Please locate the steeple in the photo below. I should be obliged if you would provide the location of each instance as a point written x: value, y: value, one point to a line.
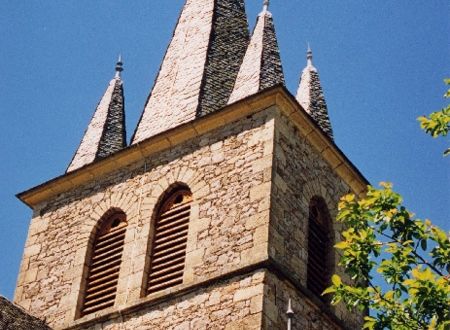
x: 261, y: 67
x: 200, y: 66
x: 310, y: 95
x: 105, y: 134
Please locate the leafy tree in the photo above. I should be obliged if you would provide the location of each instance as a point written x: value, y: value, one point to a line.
x: 438, y: 123
x: 412, y: 257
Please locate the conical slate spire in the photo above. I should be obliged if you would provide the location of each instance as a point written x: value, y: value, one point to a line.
x: 311, y: 98
x: 261, y: 67
x: 199, y: 67
x: 105, y: 134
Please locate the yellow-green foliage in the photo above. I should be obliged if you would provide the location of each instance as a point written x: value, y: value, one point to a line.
x: 438, y: 123
x: 411, y: 256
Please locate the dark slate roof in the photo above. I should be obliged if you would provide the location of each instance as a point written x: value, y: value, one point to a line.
x: 200, y: 66
x: 311, y: 97
x: 13, y: 317
x: 105, y: 134
x: 114, y: 134
x: 261, y: 68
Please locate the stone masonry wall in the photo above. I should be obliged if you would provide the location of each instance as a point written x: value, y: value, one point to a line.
x: 229, y: 173
x: 228, y: 305
x: 299, y: 174
x: 307, y: 315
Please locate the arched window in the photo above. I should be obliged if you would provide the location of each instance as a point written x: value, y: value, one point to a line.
x: 319, y: 247
x: 168, y: 246
x: 105, y: 258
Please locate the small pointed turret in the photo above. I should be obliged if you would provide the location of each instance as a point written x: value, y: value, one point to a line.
x: 310, y: 95
x: 261, y: 67
x: 200, y: 65
x: 105, y: 134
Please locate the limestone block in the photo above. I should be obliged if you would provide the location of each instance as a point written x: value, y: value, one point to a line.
x: 256, y: 304
x: 260, y: 191
x: 32, y: 250
x: 261, y: 235
x: 247, y: 293
x: 256, y: 220
x: 263, y: 163
x: 30, y: 275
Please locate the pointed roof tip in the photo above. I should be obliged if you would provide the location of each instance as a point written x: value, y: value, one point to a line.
x: 106, y: 132
x: 265, y: 10
x: 261, y: 67
x: 310, y: 95
x: 119, y: 66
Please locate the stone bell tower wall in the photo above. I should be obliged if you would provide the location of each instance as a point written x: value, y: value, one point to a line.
x: 252, y: 169
x: 229, y: 173
x: 300, y: 172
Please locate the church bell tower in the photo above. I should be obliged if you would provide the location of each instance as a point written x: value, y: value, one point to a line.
x: 220, y: 212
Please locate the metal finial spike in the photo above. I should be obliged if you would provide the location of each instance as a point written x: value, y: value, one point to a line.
x: 119, y: 66
x: 265, y: 11
x: 290, y: 314
x: 309, y: 56
x: 289, y: 311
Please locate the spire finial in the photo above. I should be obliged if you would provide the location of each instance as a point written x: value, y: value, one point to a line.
x: 265, y: 10
x: 309, y: 56
x: 290, y: 314
x: 119, y: 66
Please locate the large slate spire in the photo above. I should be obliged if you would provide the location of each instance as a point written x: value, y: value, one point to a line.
x: 261, y: 67
x: 199, y: 67
x: 310, y: 96
x: 106, y: 132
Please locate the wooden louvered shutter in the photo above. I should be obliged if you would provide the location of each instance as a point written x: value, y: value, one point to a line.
x: 318, y: 250
x: 168, y: 251
x: 104, y: 266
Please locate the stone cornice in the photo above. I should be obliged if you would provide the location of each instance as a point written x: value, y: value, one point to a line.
x: 277, y: 96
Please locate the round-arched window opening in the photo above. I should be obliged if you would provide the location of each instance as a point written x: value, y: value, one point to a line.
x: 104, y: 261
x: 319, y: 247
x: 177, y: 198
x: 169, y: 241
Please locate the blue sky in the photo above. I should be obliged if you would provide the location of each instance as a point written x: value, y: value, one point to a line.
x: 381, y: 63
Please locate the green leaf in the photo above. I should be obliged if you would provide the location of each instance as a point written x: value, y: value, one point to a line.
x: 341, y: 245
x: 369, y: 323
x: 336, y: 280
x: 329, y: 290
